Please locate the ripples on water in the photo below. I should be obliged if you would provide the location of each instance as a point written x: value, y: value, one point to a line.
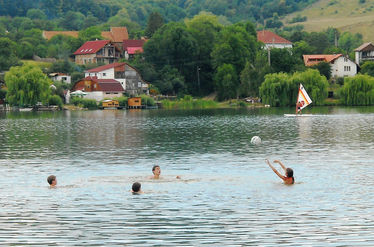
x: 227, y: 195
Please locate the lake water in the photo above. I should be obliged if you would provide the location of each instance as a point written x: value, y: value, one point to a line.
x: 227, y: 196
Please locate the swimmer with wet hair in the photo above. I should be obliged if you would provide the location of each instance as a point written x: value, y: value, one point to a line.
x: 52, y: 180
x: 288, y: 179
x: 136, y: 188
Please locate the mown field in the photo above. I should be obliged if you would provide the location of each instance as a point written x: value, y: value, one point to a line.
x: 356, y: 16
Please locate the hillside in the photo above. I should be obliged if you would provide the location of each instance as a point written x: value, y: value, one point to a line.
x: 347, y: 15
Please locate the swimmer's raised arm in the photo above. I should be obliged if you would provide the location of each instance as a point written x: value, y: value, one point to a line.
x: 281, y: 164
x: 275, y: 170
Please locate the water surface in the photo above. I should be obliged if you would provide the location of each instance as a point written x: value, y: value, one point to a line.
x: 227, y: 195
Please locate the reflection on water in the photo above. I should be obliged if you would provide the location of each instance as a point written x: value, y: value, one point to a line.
x: 227, y: 195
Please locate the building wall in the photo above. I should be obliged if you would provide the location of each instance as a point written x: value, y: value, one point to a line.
x: 85, y: 59
x: 61, y: 78
x: 343, y: 67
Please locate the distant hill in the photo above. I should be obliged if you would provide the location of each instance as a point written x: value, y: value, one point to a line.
x: 356, y: 16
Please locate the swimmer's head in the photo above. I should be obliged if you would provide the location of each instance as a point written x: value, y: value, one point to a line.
x: 289, y: 172
x: 136, y: 187
x: 156, y: 170
x: 52, y: 180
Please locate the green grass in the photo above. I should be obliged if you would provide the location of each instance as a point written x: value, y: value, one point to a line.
x: 189, y: 104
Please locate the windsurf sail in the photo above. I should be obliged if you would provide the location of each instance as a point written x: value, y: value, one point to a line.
x: 303, y: 99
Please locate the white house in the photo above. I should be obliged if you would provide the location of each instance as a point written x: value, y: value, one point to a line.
x: 271, y: 40
x: 364, y: 53
x: 60, y: 77
x: 124, y: 73
x: 341, y: 66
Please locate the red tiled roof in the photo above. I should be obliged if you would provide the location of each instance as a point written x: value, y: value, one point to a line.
x: 310, y: 60
x: 91, y: 47
x: 365, y: 47
x: 111, y: 86
x: 105, y: 67
x: 133, y: 50
x: 269, y: 37
x: 133, y: 43
x: 116, y: 34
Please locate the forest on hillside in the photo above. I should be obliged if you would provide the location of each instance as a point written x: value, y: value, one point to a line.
x: 137, y: 11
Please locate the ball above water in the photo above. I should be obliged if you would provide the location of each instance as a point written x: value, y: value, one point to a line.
x: 256, y: 140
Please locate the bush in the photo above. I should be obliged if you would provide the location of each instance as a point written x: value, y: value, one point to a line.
x: 86, y: 103
x: 123, y: 100
x: 55, y: 100
x: 147, y: 100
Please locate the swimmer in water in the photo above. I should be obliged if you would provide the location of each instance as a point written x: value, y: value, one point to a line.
x: 288, y: 179
x: 156, y: 170
x: 136, y: 188
x: 52, y: 180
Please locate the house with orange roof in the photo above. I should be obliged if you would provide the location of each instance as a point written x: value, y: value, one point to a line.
x: 364, y: 52
x: 117, y: 35
x: 128, y: 76
x: 272, y: 40
x: 341, y: 66
x: 98, y: 51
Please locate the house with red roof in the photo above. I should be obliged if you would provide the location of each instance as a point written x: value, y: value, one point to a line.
x: 128, y: 76
x: 98, y: 51
x: 132, y: 46
x: 341, y: 66
x: 272, y: 40
x: 99, y: 89
x: 364, y: 52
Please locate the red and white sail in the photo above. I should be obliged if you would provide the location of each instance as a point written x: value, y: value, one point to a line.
x: 303, y: 99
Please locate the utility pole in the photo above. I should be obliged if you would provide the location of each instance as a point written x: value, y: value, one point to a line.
x: 198, y: 78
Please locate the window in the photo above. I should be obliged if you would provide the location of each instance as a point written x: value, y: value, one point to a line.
x: 104, y: 74
x: 347, y: 68
x: 64, y: 78
x: 345, y: 59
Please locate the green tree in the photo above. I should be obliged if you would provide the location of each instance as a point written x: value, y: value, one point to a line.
x: 314, y: 83
x: 36, y: 14
x: 235, y: 45
x: 155, y: 21
x: 323, y: 68
x: 91, y: 33
x: 367, y: 68
x: 226, y: 81
x: 281, y: 60
x: 253, y: 75
x: 8, y: 56
x: 318, y: 40
x: 27, y: 85
x: 358, y: 90
x: 72, y: 20
x: 282, y: 90
x: 349, y: 41
x: 173, y: 45
x: 204, y: 28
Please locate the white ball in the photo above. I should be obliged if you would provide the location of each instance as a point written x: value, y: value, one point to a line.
x: 256, y: 140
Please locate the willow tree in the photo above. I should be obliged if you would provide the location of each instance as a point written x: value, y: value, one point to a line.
x: 27, y: 85
x: 281, y: 89
x: 358, y: 90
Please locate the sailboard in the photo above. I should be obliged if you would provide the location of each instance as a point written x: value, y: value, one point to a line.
x: 303, y: 100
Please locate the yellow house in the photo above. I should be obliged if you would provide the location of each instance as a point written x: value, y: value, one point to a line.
x: 135, y: 102
x: 109, y: 103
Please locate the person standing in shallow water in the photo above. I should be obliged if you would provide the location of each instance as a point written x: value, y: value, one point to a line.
x: 52, y: 180
x: 288, y: 179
